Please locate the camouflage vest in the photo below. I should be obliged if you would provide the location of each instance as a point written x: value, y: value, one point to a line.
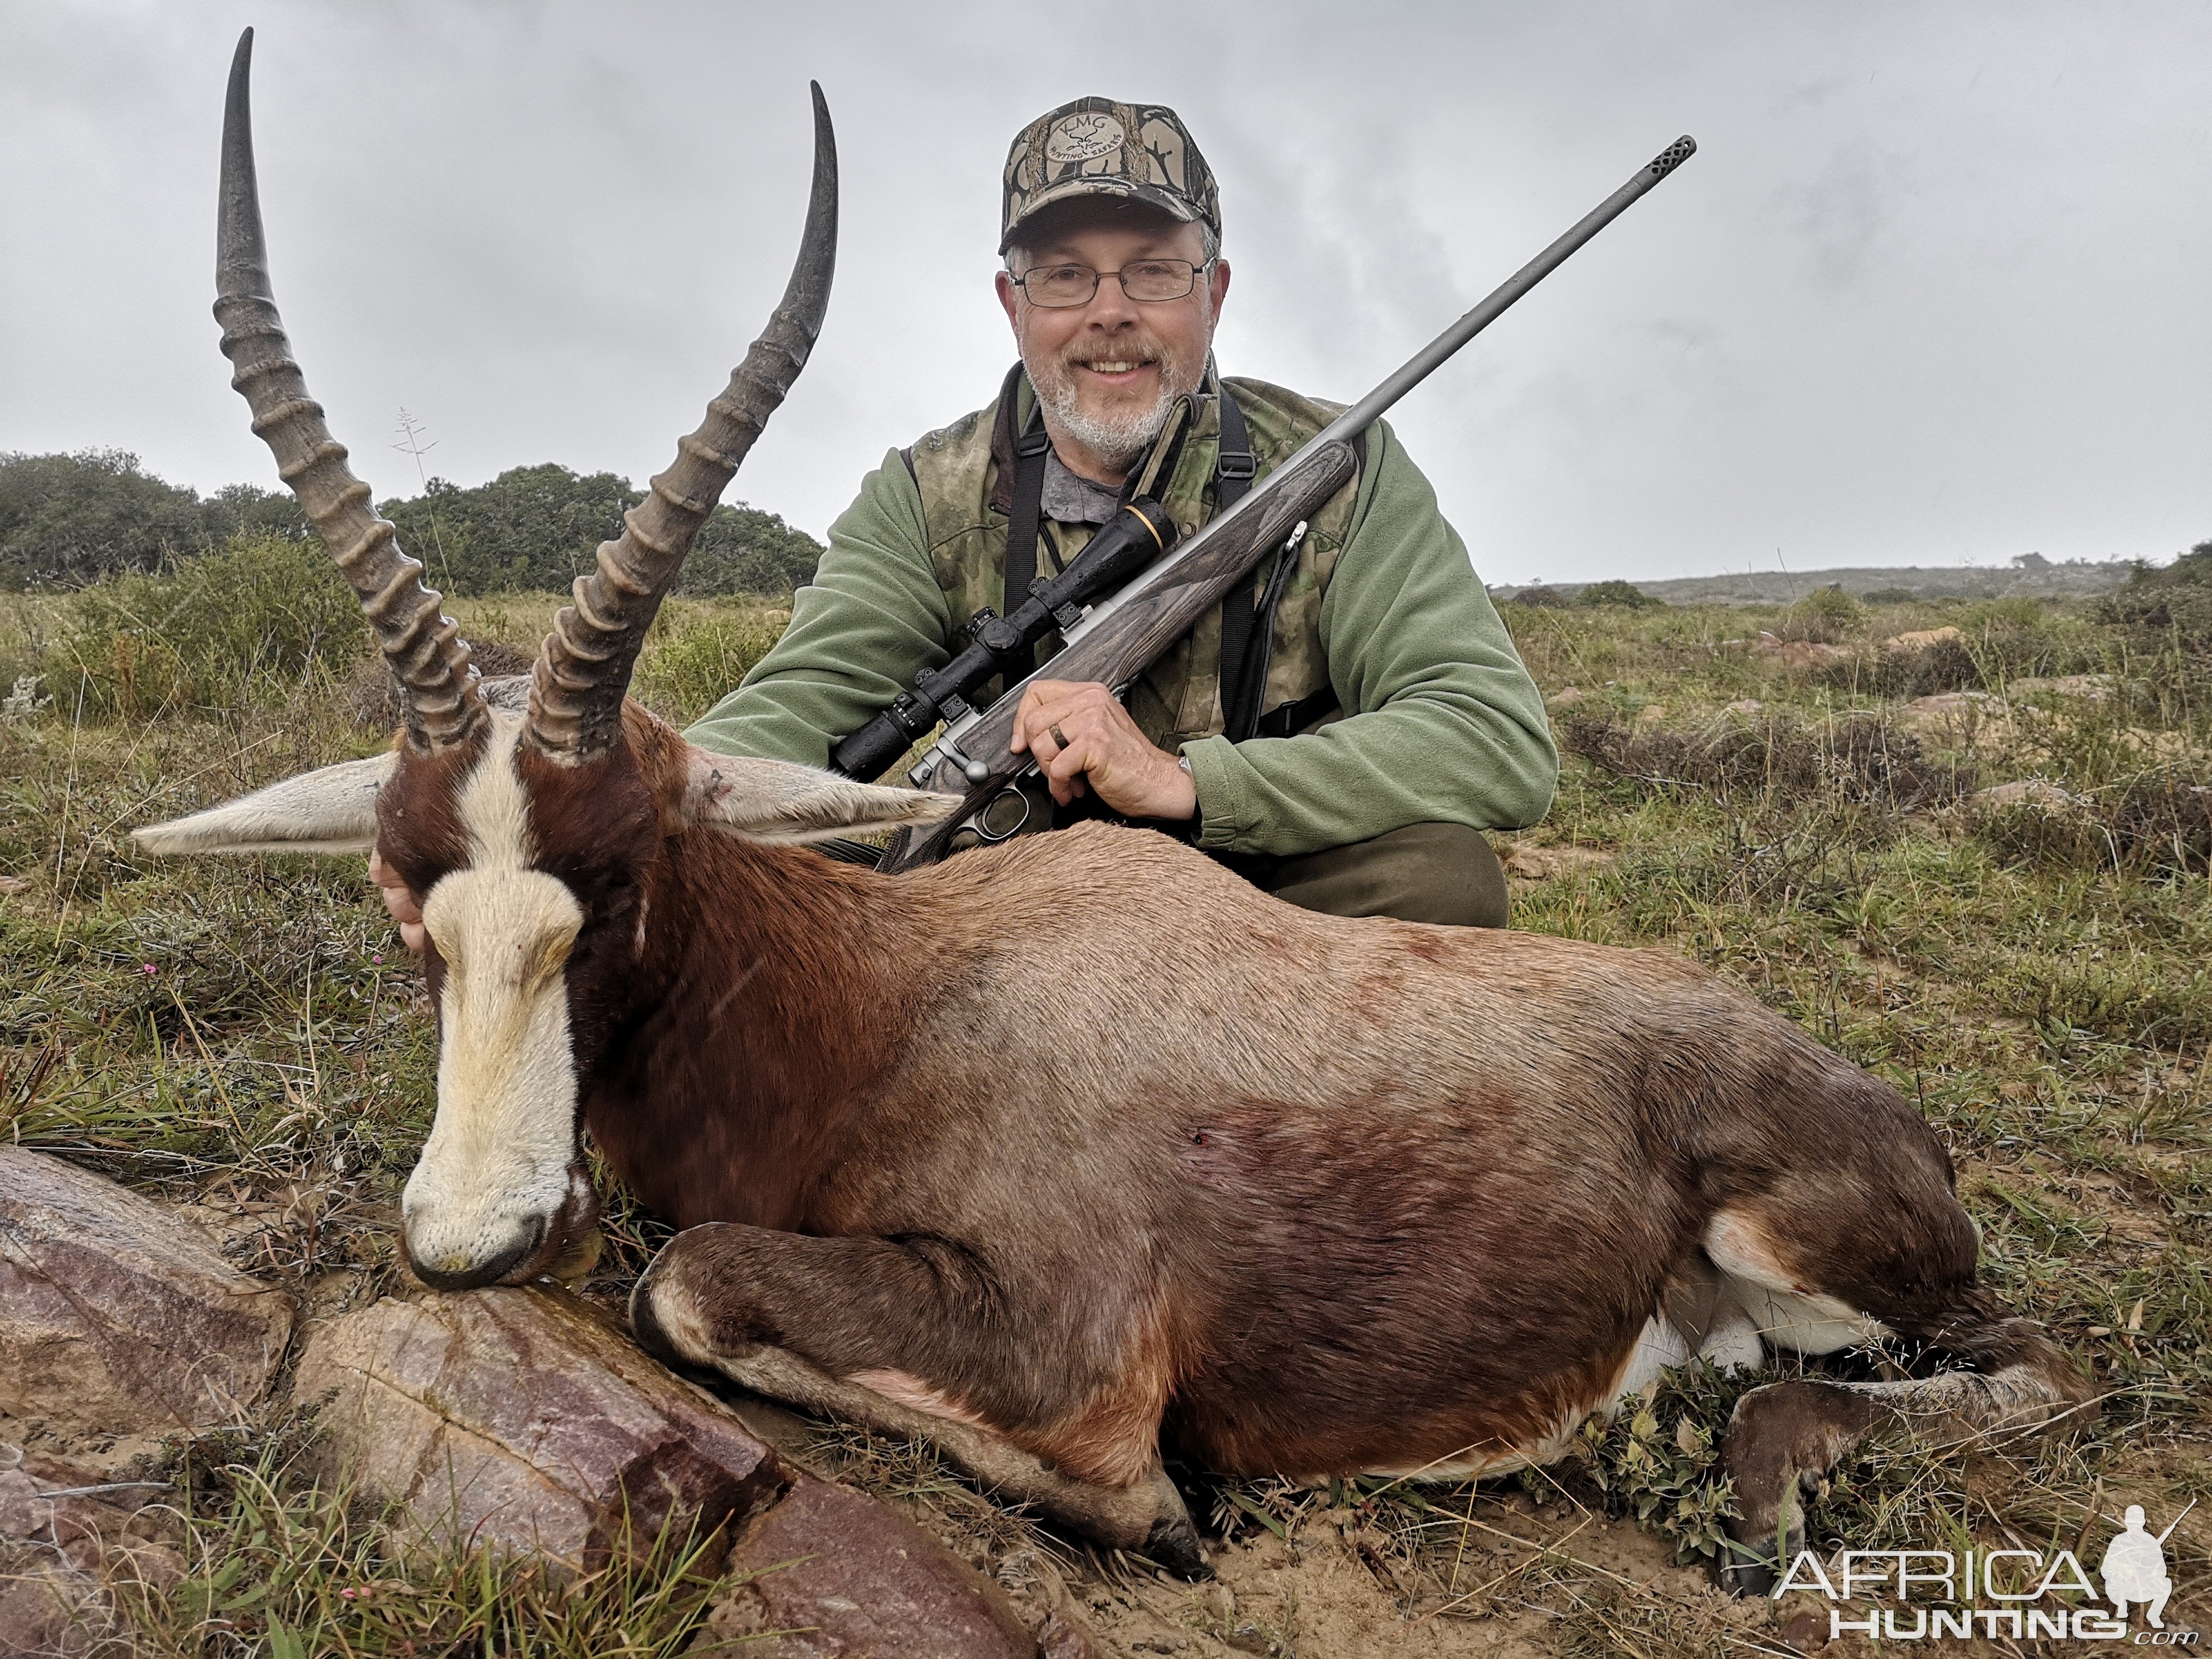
x: 966, y: 472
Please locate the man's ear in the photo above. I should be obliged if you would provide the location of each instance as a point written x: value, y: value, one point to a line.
x: 776, y: 801
x: 332, y: 809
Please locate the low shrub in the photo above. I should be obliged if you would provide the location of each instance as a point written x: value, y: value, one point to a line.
x: 1945, y: 666
x: 2156, y: 823
x: 1617, y: 592
x: 1824, y: 617
x: 1540, y: 598
x: 261, y: 613
x: 1776, y: 762
x: 2018, y: 639
x: 2169, y: 605
x: 372, y: 691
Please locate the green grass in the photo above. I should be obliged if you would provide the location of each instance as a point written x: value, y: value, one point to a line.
x: 277, y: 1563
x: 2037, y: 979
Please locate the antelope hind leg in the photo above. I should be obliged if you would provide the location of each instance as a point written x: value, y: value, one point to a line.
x: 1818, y: 1276
x: 1786, y: 1435
x: 681, y: 1313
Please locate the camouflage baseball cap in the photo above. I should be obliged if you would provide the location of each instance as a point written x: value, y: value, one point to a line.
x: 1097, y: 147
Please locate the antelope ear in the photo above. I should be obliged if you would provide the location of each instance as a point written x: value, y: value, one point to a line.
x: 332, y: 809
x: 776, y: 801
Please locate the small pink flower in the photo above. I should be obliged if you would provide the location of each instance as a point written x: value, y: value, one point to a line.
x: 348, y: 1593
x: 378, y: 957
x: 147, y: 966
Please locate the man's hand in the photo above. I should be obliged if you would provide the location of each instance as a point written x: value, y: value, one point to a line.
x: 401, y: 903
x: 1079, y: 733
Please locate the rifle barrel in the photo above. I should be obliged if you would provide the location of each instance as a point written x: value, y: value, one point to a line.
x: 1424, y: 362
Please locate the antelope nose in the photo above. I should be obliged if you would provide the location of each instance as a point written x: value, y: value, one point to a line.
x: 449, y: 1267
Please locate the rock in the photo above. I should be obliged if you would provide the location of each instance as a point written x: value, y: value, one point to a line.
x: 1804, y: 656
x: 1745, y: 707
x: 523, y: 1419
x: 837, y: 1574
x: 1541, y: 863
x: 2021, y: 792
x: 1042, y: 1600
x: 1651, y: 713
x: 2093, y: 688
x: 1921, y: 639
x: 1566, y: 698
x: 47, y: 1609
x: 1065, y: 1637
x: 66, y: 1537
x: 526, y: 1420
x: 1801, y: 655
x: 1953, y: 713
x: 116, y: 1316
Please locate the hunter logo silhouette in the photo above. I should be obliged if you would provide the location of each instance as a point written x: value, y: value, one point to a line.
x: 2134, y: 1567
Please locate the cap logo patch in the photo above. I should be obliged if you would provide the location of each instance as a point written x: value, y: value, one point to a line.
x: 1082, y: 137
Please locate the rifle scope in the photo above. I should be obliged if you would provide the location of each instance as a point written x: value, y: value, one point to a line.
x: 1126, y: 544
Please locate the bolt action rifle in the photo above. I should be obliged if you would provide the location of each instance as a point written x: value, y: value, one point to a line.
x: 1133, y: 592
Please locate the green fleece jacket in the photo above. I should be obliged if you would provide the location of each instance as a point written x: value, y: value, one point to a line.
x: 1442, y: 723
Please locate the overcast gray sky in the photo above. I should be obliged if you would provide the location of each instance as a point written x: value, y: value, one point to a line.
x: 1934, y: 289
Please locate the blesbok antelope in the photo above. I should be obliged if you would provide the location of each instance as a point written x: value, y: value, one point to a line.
x: 1058, y: 1145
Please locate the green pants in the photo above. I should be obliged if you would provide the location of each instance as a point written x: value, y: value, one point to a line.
x: 1442, y: 873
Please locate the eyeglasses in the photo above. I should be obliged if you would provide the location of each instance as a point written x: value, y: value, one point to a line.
x: 1151, y: 281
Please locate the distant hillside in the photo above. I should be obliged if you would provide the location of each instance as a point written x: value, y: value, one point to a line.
x: 2030, y: 575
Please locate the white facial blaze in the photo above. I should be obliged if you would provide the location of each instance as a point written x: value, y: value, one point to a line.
x: 496, y: 1167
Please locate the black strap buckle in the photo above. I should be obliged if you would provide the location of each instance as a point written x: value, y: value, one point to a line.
x: 1237, y: 464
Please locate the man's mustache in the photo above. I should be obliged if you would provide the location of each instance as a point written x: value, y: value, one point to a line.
x: 1088, y: 356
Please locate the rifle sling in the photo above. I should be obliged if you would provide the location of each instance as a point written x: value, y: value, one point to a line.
x: 1030, y: 451
x: 1234, y: 470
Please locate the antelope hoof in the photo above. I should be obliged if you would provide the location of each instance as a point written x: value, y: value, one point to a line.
x: 1173, y: 1544
x: 664, y: 1321
x: 1746, y: 1576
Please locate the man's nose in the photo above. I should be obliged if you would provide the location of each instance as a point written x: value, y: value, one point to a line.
x: 1109, y: 307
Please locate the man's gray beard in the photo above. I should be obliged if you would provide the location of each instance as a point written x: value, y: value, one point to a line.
x: 1120, y: 440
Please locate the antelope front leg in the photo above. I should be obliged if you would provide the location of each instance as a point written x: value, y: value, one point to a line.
x: 915, y: 1339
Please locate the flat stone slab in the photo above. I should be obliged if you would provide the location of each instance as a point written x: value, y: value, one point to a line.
x: 117, y: 1315
x: 839, y: 1575
x: 66, y: 1535
x: 523, y: 1419
x: 526, y: 1419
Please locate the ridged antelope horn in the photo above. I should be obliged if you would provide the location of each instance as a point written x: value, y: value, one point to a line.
x: 423, y: 646
x: 584, y: 668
